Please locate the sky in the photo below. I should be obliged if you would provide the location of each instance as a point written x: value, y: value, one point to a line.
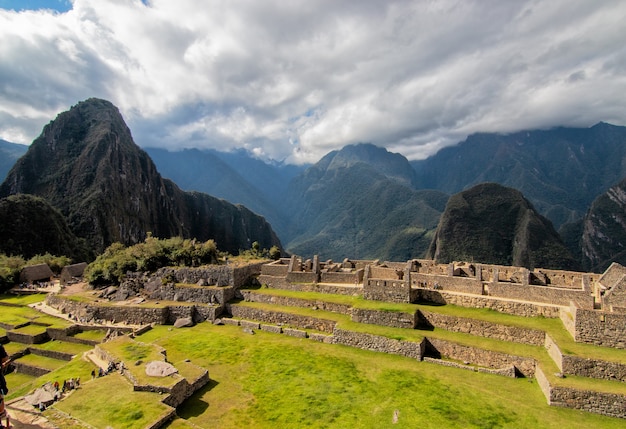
x: 291, y: 80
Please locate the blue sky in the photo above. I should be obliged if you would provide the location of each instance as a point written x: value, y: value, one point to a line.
x: 58, y: 5
x: 293, y: 80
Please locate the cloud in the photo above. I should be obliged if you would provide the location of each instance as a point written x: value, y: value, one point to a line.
x: 294, y: 80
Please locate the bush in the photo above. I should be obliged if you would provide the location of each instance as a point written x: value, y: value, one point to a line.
x: 150, y: 255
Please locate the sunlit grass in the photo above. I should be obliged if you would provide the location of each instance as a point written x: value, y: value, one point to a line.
x: 270, y: 381
x: 110, y: 401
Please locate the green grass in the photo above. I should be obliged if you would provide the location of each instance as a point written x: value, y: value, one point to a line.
x: 92, y: 335
x: 112, y: 402
x: 270, y: 381
x: 42, y: 361
x: 31, y: 330
x: 132, y: 351
x: 63, y: 346
x: 76, y: 368
x: 23, y: 299
x: 553, y: 326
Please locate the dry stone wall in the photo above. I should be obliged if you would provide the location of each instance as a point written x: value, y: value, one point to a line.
x: 585, y: 367
x: 608, y: 404
x: 277, y: 317
x: 252, y: 296
x: 394, y: 319
x: 487, y: 358
x: 600, y: 328
x: 378, y: 343
x: 526, y: 309
x: 283, y: 283
x: 481, y: 328
x: 545, y: 294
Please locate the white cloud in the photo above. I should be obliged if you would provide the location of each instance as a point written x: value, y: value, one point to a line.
x: 300, y: 78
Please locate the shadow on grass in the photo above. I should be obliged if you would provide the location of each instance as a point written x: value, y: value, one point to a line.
x: 195, y: 405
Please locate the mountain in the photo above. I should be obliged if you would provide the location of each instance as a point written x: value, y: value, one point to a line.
x: 561, y: 171
x: 30, y: 226
x: 9, y: 153
x: 86, y: 164
x: 493, y: 224
x: 604, y: 230
x: 358, y: 203
x: 236, y: 177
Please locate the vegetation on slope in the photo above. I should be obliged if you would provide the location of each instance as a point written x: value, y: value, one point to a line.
x: 492, y: 224
x: 30, y: 226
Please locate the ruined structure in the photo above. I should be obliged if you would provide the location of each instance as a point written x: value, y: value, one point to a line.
x: 591, y: 306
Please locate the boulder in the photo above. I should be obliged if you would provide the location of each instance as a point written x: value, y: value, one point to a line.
x: 183, y: 322
x: 160, y: 369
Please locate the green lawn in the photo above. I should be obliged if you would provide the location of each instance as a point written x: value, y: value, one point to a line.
x: 110, y: 402
x: 274, y: 381
x: 63, y: 346
x: 22, y: 299
x: 92, y: 335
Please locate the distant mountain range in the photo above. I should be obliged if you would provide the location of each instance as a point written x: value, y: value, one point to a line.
x: 86, y: 165
x: 360, y: 202
x: 561, y: 171
x: 9, y: 154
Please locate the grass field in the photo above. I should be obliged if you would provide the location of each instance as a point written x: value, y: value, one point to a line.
x: 275, y: 381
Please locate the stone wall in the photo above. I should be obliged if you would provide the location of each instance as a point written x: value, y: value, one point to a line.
x: 134, y: 315
x: 252, y: 296
x: 395, y: 319
x: 526, y: 309
x: 541, y: 294
x: 51, y: 354
x: 351, y: 278
x: 585, y: 367
x: 29, y: 369
x: 277, y: 317
x: 481, y: 328
x: 600, y: 327
x: 199, y: 294
x: 486, y: 358
x: 302, y: 277
x: 505, y: 372
x: 282, y: 283
x: 447, y: 283
x: 275, y: 269
x: 19, y: 337
x: 608, y: 404
x: 387, y: 290
x: 378, y: 343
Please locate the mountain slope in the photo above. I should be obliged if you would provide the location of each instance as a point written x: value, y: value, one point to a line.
x: 561, y: 171
x: 86, y: 164
x: 492, y: 224
x: 205, y: 171
x: 604, y: 230
x: 30, y: 226
x: 343, y: 207
x: 9, y: 153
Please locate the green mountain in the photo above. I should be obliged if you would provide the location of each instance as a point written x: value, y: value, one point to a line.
x: 9, y: 153
x: 561, y: 171
x: 30, y: 226
x: 493, y: 224
x: 358, y: 203
x: 86, y: 164
x: 604, y: 230
x: 235, y: 177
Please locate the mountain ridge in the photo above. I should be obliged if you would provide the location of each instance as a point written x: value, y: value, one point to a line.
x: 86, y: 164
